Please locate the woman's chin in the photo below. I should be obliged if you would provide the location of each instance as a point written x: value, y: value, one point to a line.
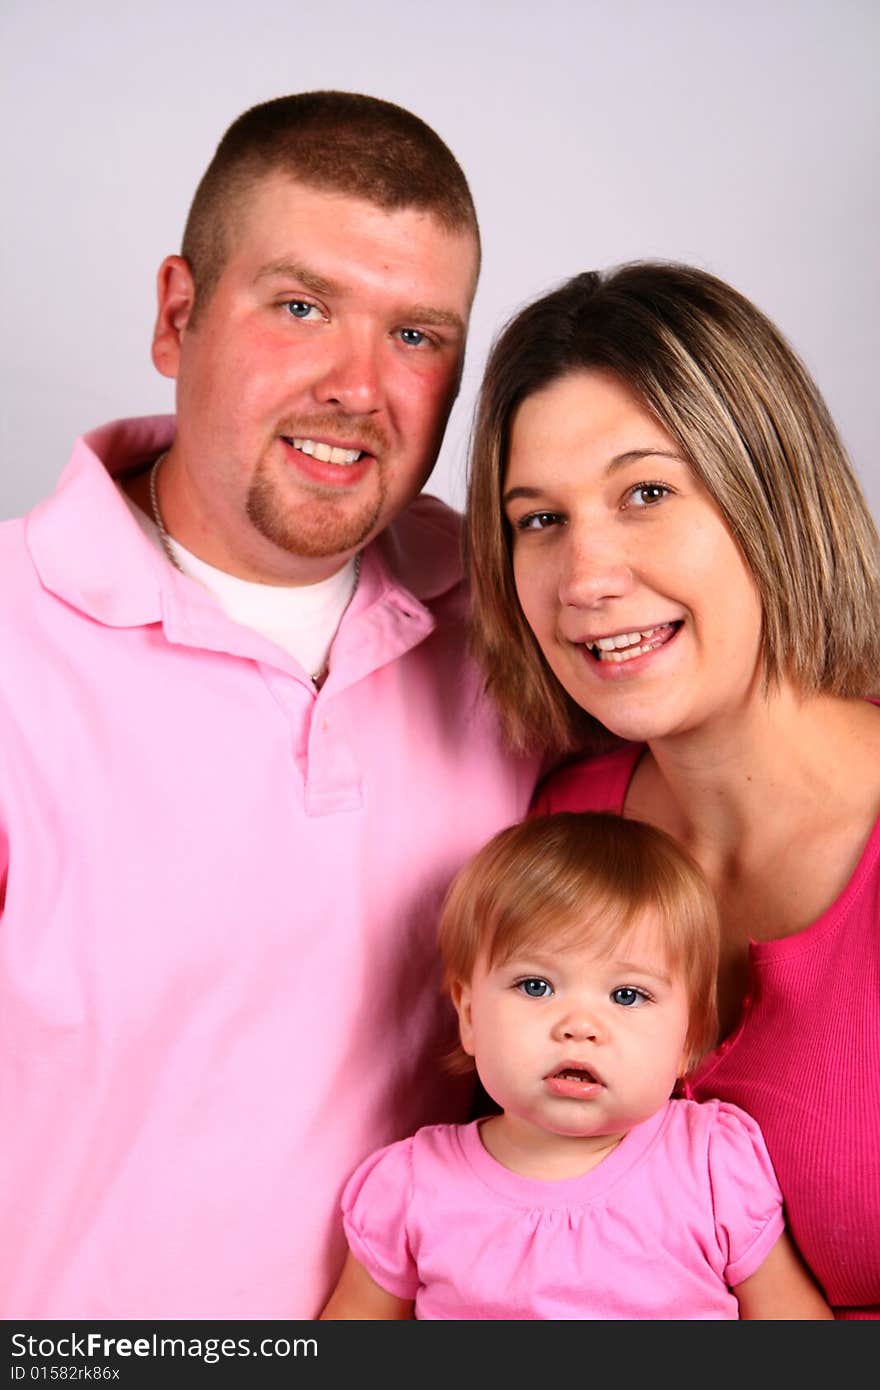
x: 634, y: 721
x: 637, y: 730
x: 639, y: 700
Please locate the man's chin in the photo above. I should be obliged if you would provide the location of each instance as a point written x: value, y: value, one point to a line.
x: 314, y: 531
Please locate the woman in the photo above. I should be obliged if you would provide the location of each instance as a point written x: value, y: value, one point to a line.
x: 668, y: 546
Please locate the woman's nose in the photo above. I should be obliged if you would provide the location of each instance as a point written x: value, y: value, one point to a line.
x: 595, y: 569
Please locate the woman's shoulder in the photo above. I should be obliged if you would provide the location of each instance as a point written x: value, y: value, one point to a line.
x: 589, y: 784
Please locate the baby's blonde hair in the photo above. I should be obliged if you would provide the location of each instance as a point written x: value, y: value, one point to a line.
x: 575, y: 877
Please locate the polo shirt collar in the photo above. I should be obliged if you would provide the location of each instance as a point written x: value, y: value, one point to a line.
x: 89, y: 550
x: 85, y: 545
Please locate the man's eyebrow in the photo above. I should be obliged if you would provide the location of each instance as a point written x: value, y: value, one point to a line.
x: 619, y: 461
x: 294, y: 270
x: 434, y: 318
x: 319, y: 284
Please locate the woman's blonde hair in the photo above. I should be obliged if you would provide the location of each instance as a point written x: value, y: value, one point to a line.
x: 751, y: 424
x: 573, y: 878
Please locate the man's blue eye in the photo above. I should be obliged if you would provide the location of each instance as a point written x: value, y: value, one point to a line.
x: 298, y: 308
x: 413, y: 337
x: 534, y: 987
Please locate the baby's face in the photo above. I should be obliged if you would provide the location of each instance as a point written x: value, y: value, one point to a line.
x: 575, y: 1042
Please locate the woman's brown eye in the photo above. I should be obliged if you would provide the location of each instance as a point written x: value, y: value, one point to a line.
x: 646, y: 494
x: 537, y: 521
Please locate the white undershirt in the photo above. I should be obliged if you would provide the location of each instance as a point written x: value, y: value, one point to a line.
x: 302, y: 619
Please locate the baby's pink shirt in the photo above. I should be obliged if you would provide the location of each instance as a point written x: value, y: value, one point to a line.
x: 686, y: 1205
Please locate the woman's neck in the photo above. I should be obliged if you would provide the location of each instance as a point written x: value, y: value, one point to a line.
x: 776, y: 807
x: 786, y: 760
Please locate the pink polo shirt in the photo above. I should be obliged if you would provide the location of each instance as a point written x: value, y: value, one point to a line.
x: 219, y: 891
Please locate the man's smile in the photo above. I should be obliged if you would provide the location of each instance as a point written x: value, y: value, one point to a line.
x: 327, y: 453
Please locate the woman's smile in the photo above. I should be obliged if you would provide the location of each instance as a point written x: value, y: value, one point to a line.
x: 625, y: 569
x: 624, y: 649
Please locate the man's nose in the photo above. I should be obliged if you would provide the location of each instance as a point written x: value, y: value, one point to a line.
x: 596, y: 567
x: 352, y: 377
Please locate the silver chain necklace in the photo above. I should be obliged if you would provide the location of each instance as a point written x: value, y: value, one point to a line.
x: 317, y: 677
x: 157, y: 515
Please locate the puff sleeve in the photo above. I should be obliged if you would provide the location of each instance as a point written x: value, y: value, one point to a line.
x: 746, y: 1196
x: 375, y: 1206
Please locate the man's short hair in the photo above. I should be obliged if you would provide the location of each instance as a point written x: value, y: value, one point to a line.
x: 341, y: 142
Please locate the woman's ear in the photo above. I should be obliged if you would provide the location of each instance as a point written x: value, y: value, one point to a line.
x: 461, y: 998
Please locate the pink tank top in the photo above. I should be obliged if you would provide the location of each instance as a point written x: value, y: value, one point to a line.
x: 804, y: 1060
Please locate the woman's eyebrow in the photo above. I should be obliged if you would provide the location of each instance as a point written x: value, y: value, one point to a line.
x: 619, y: 461
x: 633, y: 456
x: 515, y: 492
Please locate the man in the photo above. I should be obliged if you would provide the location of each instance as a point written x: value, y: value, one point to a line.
x: 241, y: 749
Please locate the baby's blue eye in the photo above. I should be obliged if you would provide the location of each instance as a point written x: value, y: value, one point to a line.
x: 627, y: 996
x: 534, y: 987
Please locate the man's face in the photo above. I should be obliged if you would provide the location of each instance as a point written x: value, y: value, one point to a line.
x: 315, y: 384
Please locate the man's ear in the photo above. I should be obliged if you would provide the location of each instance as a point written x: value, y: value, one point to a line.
x: 175, y: 292
x: 461, y: 998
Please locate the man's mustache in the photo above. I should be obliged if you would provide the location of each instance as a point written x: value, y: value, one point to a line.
x: 349, y: 429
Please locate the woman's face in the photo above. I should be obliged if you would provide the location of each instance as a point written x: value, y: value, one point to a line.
x: 627, y: 575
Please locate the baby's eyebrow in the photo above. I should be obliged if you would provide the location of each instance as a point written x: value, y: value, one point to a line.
x: 631, y: 967
x: 538, y: 964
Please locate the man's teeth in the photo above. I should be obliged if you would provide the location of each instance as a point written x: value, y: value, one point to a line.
x: 626, y: 645
x: 327, y: 453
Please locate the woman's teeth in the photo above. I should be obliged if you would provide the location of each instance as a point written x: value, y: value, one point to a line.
x: 327, y: 453
x: 627, y: 645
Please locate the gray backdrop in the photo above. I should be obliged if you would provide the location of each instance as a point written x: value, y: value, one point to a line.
x: 742, y: 137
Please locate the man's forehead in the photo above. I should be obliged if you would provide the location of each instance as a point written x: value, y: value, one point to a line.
x: 301, y: 203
